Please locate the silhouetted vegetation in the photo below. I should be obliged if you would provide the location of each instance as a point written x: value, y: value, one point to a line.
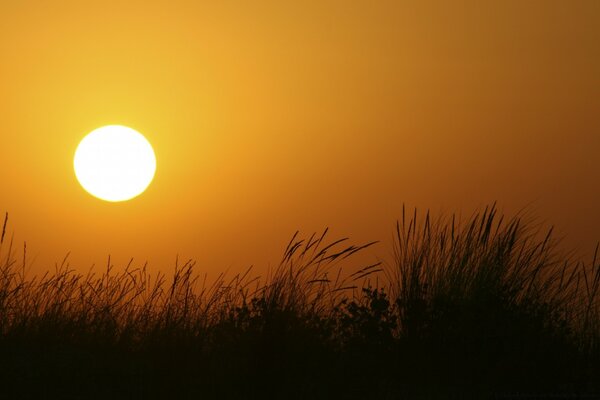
x: 486, y: 307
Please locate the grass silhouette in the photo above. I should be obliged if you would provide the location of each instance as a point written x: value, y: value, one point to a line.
x: 488, y: 307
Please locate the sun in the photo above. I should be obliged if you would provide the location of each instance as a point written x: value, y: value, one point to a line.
x: 114, y: 163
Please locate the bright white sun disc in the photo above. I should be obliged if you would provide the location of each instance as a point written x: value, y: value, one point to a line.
x: 114, y: 163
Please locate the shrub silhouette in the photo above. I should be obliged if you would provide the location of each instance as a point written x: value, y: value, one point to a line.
x: 368, y: 321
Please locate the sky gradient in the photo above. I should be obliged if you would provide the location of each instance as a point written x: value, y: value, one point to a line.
x: 268, y: 117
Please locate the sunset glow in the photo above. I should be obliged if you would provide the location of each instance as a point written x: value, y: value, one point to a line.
x: 281, y: 116
x: 299, y: 199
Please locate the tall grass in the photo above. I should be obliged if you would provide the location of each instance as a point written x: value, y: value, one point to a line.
x: 490, y: 258
x: 493, y: 301
x: 130, y: 303
x: 489, y: 305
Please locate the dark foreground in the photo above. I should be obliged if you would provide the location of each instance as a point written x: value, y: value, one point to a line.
x: 483, y: 309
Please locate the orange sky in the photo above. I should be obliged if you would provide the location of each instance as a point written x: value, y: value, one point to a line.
x: 272, y: 116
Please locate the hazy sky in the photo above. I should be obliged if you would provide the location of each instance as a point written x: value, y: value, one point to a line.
x: 272, y: 116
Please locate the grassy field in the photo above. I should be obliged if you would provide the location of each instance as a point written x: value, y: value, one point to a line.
x: 484, y: 308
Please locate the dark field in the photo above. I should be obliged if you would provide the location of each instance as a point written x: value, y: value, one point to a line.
x: 484, y: 308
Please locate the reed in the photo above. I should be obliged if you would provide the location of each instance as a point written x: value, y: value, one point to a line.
x: 487, y: 305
